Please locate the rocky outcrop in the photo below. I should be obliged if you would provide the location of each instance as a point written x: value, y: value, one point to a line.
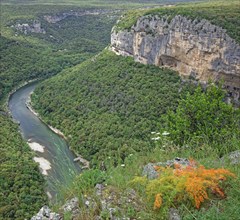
x: 72, y: 206
x: 106, y: 203
x: 174, y: 214
x: 150, y: 172
x: 191, y: 47
x: 26, y: 28
x: 61, y: 16
x: 46, y: 214
x: 86, y: 163
x: 232, y: 157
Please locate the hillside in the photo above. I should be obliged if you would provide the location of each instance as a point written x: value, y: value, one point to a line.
x: 181, y: 38
x: 22, y: 186
x: 113, y: 106
x: 121, y: 115
x: 27, y: 54
x: 33, y: 47
x: 113, y: 101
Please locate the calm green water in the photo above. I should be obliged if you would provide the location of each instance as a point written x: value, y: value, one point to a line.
x: 56, y: 151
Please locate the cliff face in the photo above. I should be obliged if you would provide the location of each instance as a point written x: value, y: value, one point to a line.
x: 193, y: 48
x: 26, y: 28
x: 61, y: 16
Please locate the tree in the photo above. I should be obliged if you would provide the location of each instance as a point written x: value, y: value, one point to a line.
x: 203, y: 116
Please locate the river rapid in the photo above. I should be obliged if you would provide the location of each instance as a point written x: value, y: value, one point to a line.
x: 51, y: 151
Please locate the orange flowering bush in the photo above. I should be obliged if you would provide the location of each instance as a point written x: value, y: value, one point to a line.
x: 158, y: 201
x: 183, y: 183
x: 199, y: 180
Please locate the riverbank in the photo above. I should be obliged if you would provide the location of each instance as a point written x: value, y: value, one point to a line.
x: 7, y: 98
x: 79, y: 158
x: 55, y: 130
x: 51, y: 152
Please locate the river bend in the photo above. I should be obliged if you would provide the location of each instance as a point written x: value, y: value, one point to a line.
x: 51, y: 151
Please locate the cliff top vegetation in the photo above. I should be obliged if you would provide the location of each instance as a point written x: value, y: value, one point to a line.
x: 109, y: 3
x: 225, y: 14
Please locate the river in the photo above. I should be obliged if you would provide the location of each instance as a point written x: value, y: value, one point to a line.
x: 51, y: 151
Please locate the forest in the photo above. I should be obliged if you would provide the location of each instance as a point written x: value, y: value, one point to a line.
x: 22, y: 185
x: 29, y: 57
x: 36, y: 56
x: 114, y: 104
x: 115, y: 111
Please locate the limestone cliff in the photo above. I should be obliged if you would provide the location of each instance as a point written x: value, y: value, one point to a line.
x: 191, y: 47
x: 26, y: 28
x: 63, y: 15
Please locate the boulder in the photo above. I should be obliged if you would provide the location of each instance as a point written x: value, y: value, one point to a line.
x: 151, y: 173
x: 46, y: 214
x: 233, y: 157
x: 173, y: 214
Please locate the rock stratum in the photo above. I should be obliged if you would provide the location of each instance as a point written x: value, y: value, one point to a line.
x: 193, y: 48
x: 61, y: 16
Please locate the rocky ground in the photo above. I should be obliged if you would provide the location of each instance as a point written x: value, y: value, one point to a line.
x: 109, y: 203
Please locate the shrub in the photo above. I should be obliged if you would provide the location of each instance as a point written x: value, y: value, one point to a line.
x: 88, y: 179
x: 193, y: 183
x: 203, y: 116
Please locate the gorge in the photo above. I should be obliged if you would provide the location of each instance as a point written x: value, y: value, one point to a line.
x: 194, y: 48
x: 129, y: 108
x: 55, y: 160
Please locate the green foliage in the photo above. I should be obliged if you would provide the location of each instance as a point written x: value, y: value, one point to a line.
x: 21, y: 184
x: 88, y: 179
x: 114, y: 104
x: 65, y: 44
x: 118, y: 178
x: 84, y: 183
x: 178, y: 185
x: 172, y: 188
x: 27, y: 57
x: 102, y: 3
x: 74, y: 34
x: 204, y: 116
x: 22, y: 62
x: 109, y: 106
x: 225, y: 14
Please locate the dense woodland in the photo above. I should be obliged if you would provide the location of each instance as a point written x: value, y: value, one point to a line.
x: 108, y: 106
x: 113, y: 106
x: 29, y: 57
x: 21, y: 184
x: 66, y: 43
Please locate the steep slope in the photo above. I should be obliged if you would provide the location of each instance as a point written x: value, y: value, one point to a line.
x: 28, y: 54
x: 31, y: 48
x: 110, y: 104
x: 21, y: 184
x: 111, y: 109
x: 180, y: 38
x: 111, y: 99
